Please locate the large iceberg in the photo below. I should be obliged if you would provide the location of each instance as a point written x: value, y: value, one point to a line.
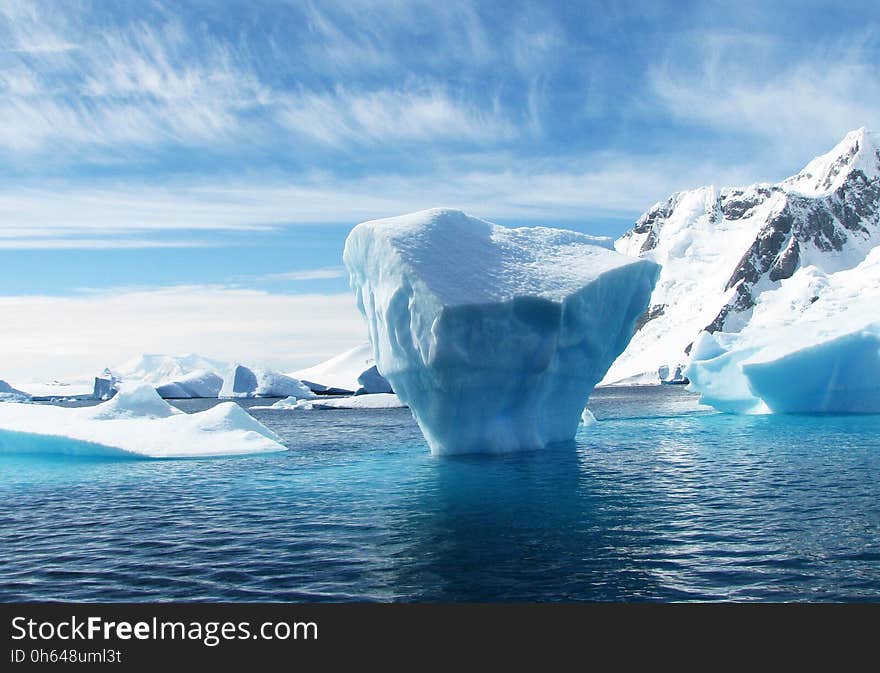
x: 136, y: 422
x: 494, y: 337
x: 243, y: 381
x: 353, y: 371
x: 824, y: 358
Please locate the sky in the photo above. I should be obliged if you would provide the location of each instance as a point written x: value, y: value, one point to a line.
x: 181, y: 176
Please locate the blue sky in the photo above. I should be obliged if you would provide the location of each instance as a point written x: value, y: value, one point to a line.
x: 185, y: 152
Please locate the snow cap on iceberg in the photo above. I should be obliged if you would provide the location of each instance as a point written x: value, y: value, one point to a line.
x: 493, y: 336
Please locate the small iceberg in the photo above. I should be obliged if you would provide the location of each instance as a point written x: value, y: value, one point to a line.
x: 245, y: 382
x: 137, y: 422
x: 371, y: 401
x: 10, y: 394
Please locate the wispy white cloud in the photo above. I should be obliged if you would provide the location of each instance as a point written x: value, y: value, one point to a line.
x: 73, y: 336
x: 739, y: 84
x: 138, y: 85
x: 601, y: 184
x: 115, y: 243
x: 368, y: 118
x: 323, y: 273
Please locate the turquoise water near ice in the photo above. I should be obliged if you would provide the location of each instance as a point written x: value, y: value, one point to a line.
x: 660, y: 500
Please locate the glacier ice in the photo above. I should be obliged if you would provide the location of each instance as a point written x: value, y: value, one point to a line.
x: 494, y: 337
x: 106, y: 385
x: 371, y: 382
x: 790, y: 359
x: 243, y: 381
x: 587, y: 417
x: 366, y: 401
x: 723, y: 250
x: 173, y: 376
x: 136, y: 422
x: 342, y: 374
x: 198, y: 383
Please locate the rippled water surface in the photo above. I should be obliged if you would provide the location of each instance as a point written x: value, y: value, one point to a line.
x: 660, y: 500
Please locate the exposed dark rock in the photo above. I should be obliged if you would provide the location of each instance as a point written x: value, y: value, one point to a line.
x: 653, y: 312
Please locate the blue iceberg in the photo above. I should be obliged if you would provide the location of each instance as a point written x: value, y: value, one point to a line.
x: 495, y: 337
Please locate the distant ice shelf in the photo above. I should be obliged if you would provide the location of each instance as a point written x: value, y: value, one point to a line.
x: 135, y: 423
x: 369, y: 401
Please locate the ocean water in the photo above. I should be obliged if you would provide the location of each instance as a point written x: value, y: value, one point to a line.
x: 660, y: 500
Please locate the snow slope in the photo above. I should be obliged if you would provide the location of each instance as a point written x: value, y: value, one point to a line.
x: 160, y: 369
x: 343, y: 373
x: 55, y: 389
x: 494, y: 337
x: 722, y: 250
x: 136, y: 422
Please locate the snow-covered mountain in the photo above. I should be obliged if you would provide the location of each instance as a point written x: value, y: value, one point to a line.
x: 722, y: 250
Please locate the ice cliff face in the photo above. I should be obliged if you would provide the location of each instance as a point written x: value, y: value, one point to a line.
x: 722, y: 250
x: 494, y: 337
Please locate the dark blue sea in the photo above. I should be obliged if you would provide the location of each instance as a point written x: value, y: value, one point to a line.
x: 661, y: 500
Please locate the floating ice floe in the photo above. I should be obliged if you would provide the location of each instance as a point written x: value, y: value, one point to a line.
x: 136, y: 422
x: 821, y: 359
x: 370, y: 401
x: 495, y: 337
x: 242, y: 381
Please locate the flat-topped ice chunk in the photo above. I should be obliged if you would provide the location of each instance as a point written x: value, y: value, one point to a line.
x: 793, y: 373
x: 137, y: 423
x: 494, y: 337
x: 840, y: 375
x: 242, y: 381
